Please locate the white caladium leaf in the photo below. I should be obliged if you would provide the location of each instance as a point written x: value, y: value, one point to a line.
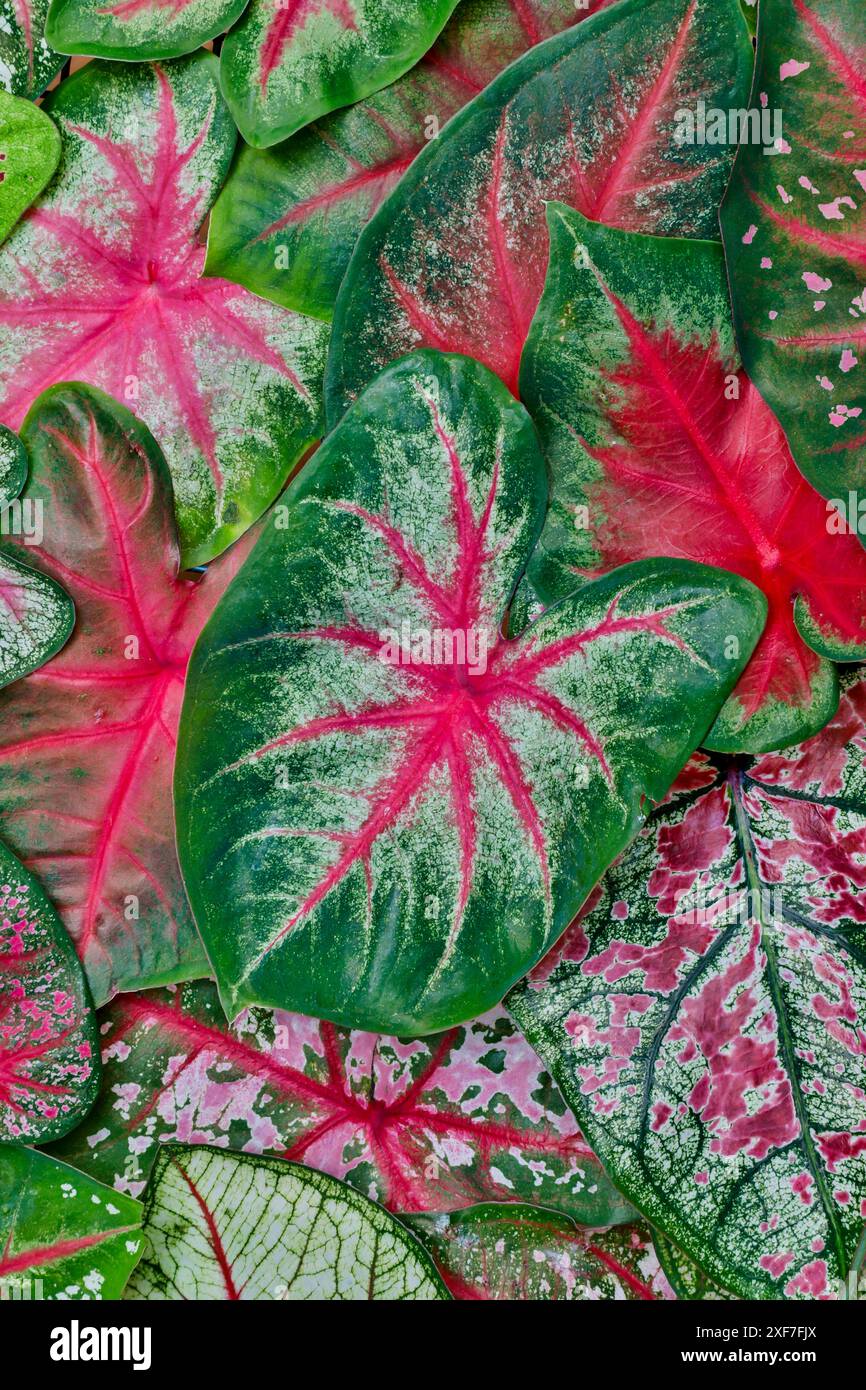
x: 27, y: 63
x: 707, y: 1018
x: 391, y: 811
x: 101, y: 282
x: 431, y: 1125
x: 36, y: 618
x: 62, y: 1235
x: 206, y: 1213
x: 522, y: 1253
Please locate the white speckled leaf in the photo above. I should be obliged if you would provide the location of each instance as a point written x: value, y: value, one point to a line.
x: 13, y: 465
x: 36, y: 618
x: 687, y: 1280
x: 138, y: 28
x: 27, y: 63
x: 206, y: 1213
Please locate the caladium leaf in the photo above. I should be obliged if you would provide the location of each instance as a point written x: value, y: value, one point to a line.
x: 87, y: 742
x: 456, y: 256
x: 443, y: 1122
x: 284, y: 64
x: 391, y: 811
x: 138, y: 28
x: 706, y: 1018
x: 49, y: 1046
x: 659, y: 444
x: 523, y: 1253
x: 13, y: 466
x: 101, y: 282
x: 205, y: 1212
x: 27, y: 64
x: 687, y: 1280
x: 795, y: 235
x: 288, y: 218
x: 36, y: 618
x: 29, y: 152
x: 62, y: 1235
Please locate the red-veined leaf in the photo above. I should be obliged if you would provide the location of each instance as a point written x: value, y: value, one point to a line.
x: 288, y: 61
x: 523, y: 1253
x: 138, y: 28
x: 27, y: 64
x: 49, y: 1046
x: 390, y: 811
x: 29, y: 151
x: 287, y: 219
x: 205, y: 1214
x: 706, y: 1018
x: 87, y: 743
x: 101, y: 282
x: 62, y: 1235
x: 464, y: 1117
x: 659, y: 444
x: 795, y: 236
x: 455, y: 258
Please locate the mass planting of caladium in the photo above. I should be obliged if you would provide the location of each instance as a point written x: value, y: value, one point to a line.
x: 206, y: 1211
x: 62, y: 1235
x: 658, y: 442
x: 101, y: 282
x: 795, y: 236
x: 27, y: 63
x: 49, y: 1049
x: 287, y: 220
x: 392, y: 812
x: 429, y: 1125
x: 455, y: 258
x: 705, y: 1019
x: 29, y: 151
x: 86, y: 743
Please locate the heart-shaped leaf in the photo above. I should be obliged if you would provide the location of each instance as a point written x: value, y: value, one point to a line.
x: 138, y: 28
x: 706, y: 1019
x: 29, y: 152
x: 795, y: 235
x: 288, y: 218
x: 456, y: 257
x: 62, y: 1235
x: 659, y: 444
x: 87, y: 743
x: 391, y: 812
x: 49, y: 1046
x: 523, y: 1253
x: 288, y: 61
x: 27, y: 64
x: 686, y: 1279
x: 429, y: 1125
x: 206, y: 1211
x: 101, y: 282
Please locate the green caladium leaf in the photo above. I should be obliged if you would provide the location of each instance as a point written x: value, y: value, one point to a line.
x: 288, y: 217
x: 283, y: 64
x: 524, y: 1253
x: 27, y: 64
x: 49, y: 1046
x: 456, y: 257
x: 391, y: 811
x: 13, y: 466
x: 705, y: 1019
x: 62, y: 1235
x: 101, y: 282
x: 795, y: 236
x: 459, y: 1118
x: 138, y: 28
x: 29, y: 153
x: 687, y: 1280
x: 658, y: 443
x: 205, y: 1213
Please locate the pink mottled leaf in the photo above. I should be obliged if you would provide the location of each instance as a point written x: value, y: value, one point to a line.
x: 706, y: 1019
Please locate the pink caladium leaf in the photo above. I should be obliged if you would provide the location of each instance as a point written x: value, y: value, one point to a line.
x: 495, y: 1252
x: 658, y: 443
x: 49, y: 1045
x: 391, y: 811
x: 456, y: 256
x: 288, y: 61
x: 62, y: 1235
x: 205, y: 1213
x: 794, y: 228
x: 101, y: 282
x: 444, y: 1122
x: 27, y: 63
x: 287, y: 219
x: 706, y: 1019
x: 87, y: 742
x: 138, y: 28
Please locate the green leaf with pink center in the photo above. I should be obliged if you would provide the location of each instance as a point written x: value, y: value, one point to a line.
x: 138, y: 28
